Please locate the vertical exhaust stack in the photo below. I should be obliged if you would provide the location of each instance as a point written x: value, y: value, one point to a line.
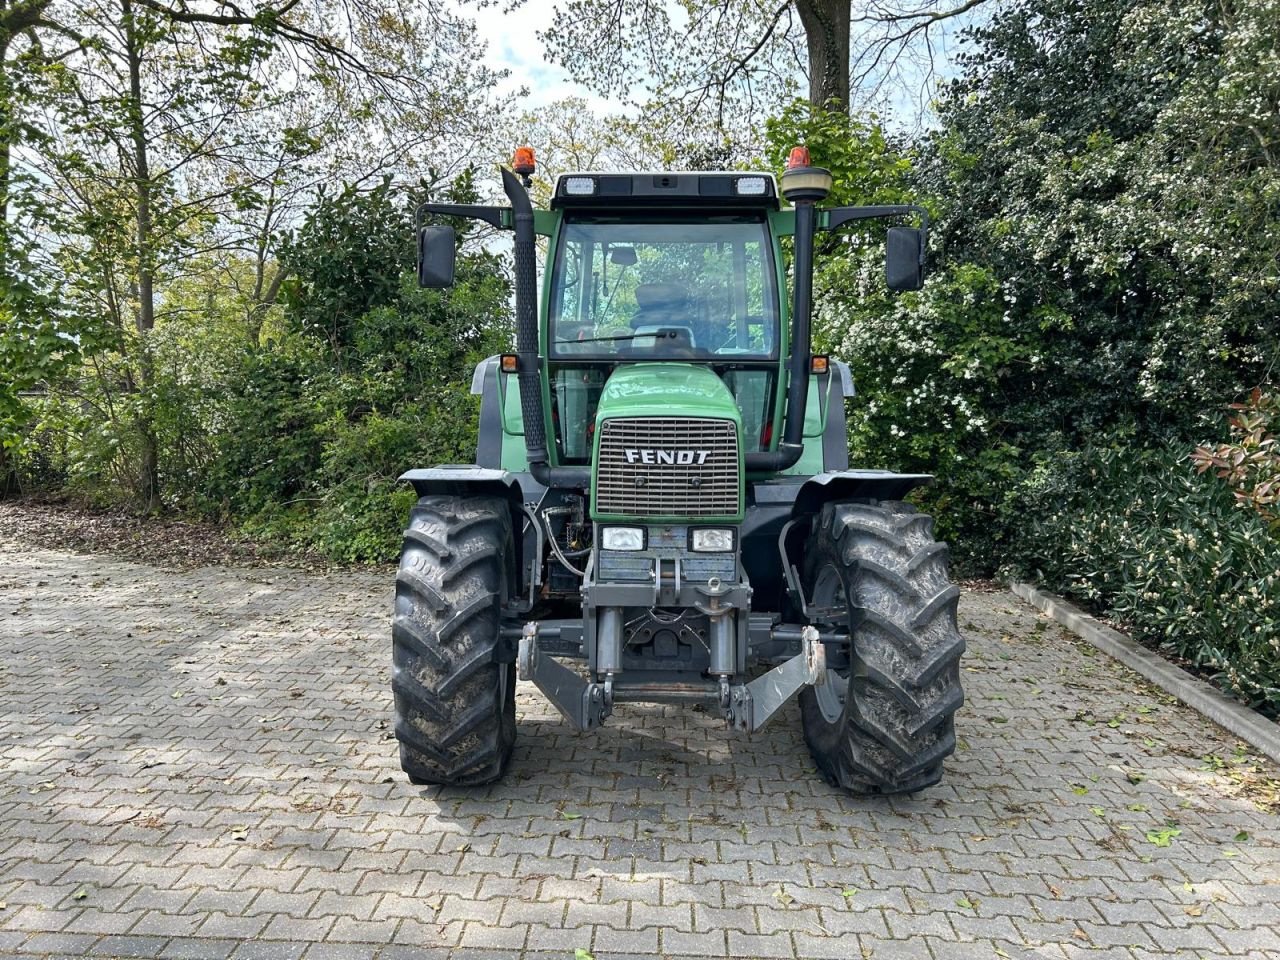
x: 803, y: 186
x: 530, y: 373
x: 535, y: 436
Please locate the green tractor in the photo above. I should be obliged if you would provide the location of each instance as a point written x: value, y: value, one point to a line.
x: 662, y: 492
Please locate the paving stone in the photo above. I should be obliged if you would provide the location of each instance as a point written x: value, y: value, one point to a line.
x: 194, y: 948
x: 402, y: 952
x: 687, y: 838
x: 613, y: 943
x: 269, y: 950
x: 60, y: 943
x: 222, y: 925
x: 341, y: 951
x: 11, y: 939
x: 480, y: 935
x: 754, y: 945
x: 711, y: 944
x: 98, y: 921
x: 129, y: 946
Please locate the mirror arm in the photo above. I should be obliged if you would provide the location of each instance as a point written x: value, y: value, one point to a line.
x: 490, y: 215
x: 839, y: 216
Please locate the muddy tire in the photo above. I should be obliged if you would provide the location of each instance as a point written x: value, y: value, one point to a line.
x: 885, y: 719
x: 454, y: 699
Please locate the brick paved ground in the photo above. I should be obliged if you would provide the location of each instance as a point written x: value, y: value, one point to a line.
x: 198, y: 765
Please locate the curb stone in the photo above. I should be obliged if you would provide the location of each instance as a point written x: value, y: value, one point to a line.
x: 1231, y: 715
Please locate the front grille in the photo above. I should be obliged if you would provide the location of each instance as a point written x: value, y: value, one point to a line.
x: 679, y: 481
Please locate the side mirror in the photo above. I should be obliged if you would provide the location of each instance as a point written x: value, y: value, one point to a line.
x: 437, y: 256
x: 904, y: 258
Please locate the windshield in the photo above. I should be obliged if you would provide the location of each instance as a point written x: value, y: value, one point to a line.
x: 628, y: 290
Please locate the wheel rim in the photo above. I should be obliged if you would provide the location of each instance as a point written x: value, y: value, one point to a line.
x: 831, y: 606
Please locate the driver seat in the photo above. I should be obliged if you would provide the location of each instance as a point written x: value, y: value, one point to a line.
x: 663, y: 306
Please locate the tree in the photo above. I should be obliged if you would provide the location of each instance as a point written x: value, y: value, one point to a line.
x: 734, y: 62
x: 1105, y: 203
x: 179, y: 137
x: 364, y: 375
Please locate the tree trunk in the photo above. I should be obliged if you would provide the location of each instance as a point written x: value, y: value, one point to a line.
x: 826, y: 29
x: 148, y: 478
x: 6, y: 147
x: 8, y: 474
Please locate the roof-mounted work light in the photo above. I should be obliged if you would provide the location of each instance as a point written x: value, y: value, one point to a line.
x: 579, y: 186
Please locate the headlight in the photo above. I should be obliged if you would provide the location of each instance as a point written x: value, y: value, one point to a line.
x: 712, y: 541
x: 622, y: 538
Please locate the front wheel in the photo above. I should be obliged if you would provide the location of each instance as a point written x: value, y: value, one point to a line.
x: 885, y: 718
x: 454, y: 694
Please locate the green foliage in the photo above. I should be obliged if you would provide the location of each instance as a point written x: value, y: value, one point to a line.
x: 1103, y: 251
x: 1128, y: 257
x: 1141, y: 536
x: 345, y: 260
x: 932, y: 369
x: 866, y: 168
x: 369, y: 377
x: 32, y: 351
x: 362, y: 523
x: 294, y: 428
x: 1106, y: 203
x: 269, y: 456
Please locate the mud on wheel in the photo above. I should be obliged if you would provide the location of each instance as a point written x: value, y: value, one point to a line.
x: 454, y: 700
x: 884, y: 720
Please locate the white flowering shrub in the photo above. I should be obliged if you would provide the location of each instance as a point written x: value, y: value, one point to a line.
x: 1104, y: 191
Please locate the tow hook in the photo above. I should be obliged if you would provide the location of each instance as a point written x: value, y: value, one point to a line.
x: 815, y: 656
x: 527, y: 654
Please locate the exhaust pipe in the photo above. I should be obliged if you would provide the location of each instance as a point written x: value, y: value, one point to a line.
x: 792, y: 444
x: 530, y: 373
x: 804, y: 186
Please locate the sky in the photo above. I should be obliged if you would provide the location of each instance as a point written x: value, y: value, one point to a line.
x: 513, y: 45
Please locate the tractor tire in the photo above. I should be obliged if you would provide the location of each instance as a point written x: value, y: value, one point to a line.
x: 454, y: 700
x: 885, y: 718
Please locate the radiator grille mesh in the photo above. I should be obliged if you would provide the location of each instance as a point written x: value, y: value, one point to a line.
x: 626, y: 485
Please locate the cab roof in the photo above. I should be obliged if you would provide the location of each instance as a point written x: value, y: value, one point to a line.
x: 729, y: 188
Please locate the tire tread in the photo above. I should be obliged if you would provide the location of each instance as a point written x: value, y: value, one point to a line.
x: 898, y: 724
x: 454, y: 702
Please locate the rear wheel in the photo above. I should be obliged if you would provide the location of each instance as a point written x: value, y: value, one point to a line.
x: 454, y: 699
x: 885, y: 718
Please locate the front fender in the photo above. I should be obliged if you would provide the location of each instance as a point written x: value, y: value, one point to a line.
x: 464, y: 480
x: 854, y: 485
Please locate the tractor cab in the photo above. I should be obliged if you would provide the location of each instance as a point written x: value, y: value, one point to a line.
x: 663, y: 267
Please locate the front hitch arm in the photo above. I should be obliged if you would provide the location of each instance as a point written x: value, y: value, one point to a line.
x: 751, y: 705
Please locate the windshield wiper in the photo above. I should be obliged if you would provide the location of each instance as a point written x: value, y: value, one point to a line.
x: 657, y: 335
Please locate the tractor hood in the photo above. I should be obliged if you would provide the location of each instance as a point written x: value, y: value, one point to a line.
x: 667, y: 447
x: 666, y: 390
